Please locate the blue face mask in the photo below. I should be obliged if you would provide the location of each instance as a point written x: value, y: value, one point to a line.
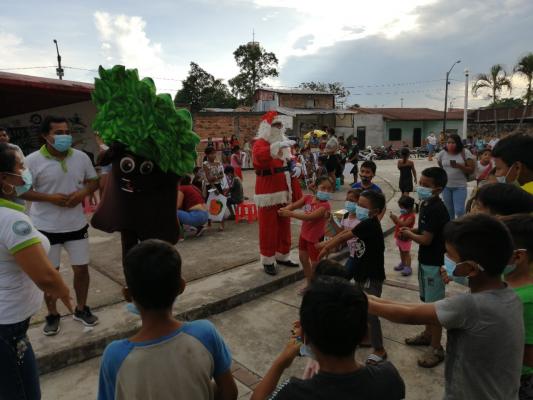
x: 509, y: 269
x: 449, y: 265
x: 62, y: 143
x: 362, y: 213
x: 350, y: 207
x: 28, y: 180
x: 424, y: 193
x: 403, y: 211
x: 323, y: 196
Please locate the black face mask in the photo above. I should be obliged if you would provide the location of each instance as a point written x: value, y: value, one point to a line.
x: 365, y: 179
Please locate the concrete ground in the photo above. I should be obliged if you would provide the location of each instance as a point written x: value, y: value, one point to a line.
x: 255, y: 331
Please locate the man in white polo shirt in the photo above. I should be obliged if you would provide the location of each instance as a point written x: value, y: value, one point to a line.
x: 62, y: 178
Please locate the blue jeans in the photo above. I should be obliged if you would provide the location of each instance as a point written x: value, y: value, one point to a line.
x: 19, y: 379
x: 194, y: 218
x: 454, y: 200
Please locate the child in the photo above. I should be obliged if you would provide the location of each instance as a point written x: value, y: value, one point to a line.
x: 407, y: 172
x: 333, y: 320
x: 369, y: 260
x: 316, y: 210
x: 321, y: 169
x: 236, y: 161
x: 234, y: 191
x: 429, y: 235
x: 518, y: 276
x: 502, y: 199
x: 166, y: 358
x: 513, y: 160
x: 348, y: 223
x: 213, y: 170
x: 485, y: 327
x: 406, y: 219
x: 484, y: 167
x: 367, y: 173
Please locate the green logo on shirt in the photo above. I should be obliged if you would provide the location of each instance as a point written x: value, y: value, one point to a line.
x: 22, y: 228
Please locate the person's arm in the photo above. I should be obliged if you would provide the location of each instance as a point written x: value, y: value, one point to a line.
x: 318, y: 213
x: 226, y: 388
x: 35, y: 263
x: 294, y: 206
x: 468, y: 167
x: 413, y: 170
x: 281, y: 363
x: 412, y: 314
x: 424, y: 239
x: 407, y: 222
x: 180, y: 200
x: 58, y: 199
x: 338, y: 239
x: 528, y: 355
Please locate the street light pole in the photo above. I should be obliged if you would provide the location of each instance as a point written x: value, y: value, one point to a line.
x: 465, y: 110
x: 446, y: 96
x: 59, y: 71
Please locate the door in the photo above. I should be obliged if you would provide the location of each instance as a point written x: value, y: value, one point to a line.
x: 361, y: 136
x: 417, y: 137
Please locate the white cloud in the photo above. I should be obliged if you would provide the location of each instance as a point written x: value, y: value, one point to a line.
x: 15, y: 54
x: 124, y: 41
x: 341, y: 20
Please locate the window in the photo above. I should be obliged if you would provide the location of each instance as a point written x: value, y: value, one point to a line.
x: 310, y: 103
x: 395, y: 134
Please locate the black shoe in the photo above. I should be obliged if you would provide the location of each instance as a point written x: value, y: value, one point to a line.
x: 270, y: 269
x: 51, y: 326
x: 86, y: 317
x: 288, y: 263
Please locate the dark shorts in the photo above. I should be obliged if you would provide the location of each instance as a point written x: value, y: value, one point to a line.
x: 63, y: 237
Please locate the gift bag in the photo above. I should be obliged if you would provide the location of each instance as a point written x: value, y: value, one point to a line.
x: 216, y: 204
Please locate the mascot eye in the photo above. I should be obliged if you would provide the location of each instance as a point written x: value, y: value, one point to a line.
x: 147, y: 167
x: 127, y: 165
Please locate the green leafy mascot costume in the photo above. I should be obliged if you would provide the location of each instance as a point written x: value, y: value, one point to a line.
x: 150, y: 144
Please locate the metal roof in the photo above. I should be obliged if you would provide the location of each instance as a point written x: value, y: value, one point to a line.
x: 293, y: 112
x: 413, y: 114
x: 295, y: 91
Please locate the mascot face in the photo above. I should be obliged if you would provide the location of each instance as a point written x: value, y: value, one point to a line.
x: 136, y: 174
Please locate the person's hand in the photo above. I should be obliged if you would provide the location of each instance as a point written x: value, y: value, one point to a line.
x: 324, y: 252
x: 65, y: 299
x: 444, y: 275
x: 284, y: 213
x: 58, y: 199
x: 75, y: 198
x: 320, y: 245
x: 287, y: 143
x: 290, y: 352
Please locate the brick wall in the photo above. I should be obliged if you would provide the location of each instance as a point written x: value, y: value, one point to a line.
x: 212, y: 124
x: 300, y: 101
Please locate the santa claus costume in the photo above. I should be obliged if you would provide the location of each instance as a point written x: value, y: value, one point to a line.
x: 274, y: 188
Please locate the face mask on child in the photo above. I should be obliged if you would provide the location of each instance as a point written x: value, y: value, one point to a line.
x: 423, y: 192
x: 350, y: 206
x: 362, y: 213
x: 323, y: 196
x: 451, y: 266
x: 403, y: 211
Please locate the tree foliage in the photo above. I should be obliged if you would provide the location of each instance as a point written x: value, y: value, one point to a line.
x: 524, y: 68
x: 200, y: 89
x: 335, y: 88
x: 509, y: 102
x: 255, y: 64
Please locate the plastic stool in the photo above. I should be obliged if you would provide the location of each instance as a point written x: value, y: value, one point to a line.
x: 246, y: 210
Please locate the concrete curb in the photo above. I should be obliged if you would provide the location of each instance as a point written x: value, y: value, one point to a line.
x: 205, y: 297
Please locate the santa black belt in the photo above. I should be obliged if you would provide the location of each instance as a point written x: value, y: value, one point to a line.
x: 271, y: 171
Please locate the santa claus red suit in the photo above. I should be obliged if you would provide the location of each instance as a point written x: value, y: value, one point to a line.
x: 274, y: 188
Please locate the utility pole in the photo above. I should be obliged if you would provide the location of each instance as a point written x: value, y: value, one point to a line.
x: 401, y: 101
x: 59, y: 71
x: 446, y: 96
x: 465, y: 110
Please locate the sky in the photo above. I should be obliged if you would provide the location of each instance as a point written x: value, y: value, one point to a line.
x: 386, y: 52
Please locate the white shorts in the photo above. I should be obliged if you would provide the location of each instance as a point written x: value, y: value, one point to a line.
x: 78, y: 252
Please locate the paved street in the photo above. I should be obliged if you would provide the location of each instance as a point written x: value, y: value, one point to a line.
x: 256, y: 331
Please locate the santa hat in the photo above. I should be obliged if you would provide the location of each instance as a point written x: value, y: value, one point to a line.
x: 271, y: 117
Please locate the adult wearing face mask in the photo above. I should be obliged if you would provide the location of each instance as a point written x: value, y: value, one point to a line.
x: 513, y: 158
x: 25, y: 272
x: 458, y: 163
x: 62, y: 178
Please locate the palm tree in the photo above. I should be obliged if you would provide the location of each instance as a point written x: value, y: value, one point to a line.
x: 525, y: 67
x: 496, y: 80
